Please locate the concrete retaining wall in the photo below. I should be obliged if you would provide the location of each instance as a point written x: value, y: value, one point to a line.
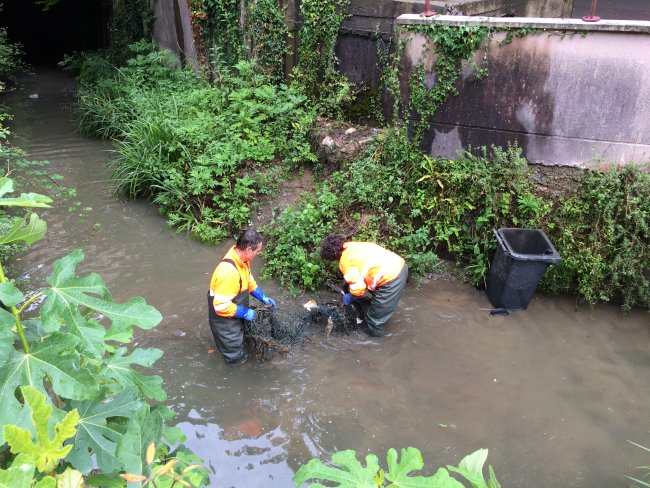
x: 565, y: 98
x: 357, y: 43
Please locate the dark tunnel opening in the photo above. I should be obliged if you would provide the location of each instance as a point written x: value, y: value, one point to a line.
x: 68, y: 26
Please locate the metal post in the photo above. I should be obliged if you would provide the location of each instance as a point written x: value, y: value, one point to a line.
x: 427, y: 9
x: 592, y: 17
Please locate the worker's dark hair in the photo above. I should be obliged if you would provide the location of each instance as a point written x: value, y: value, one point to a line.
x: 332, y: 247
x: 248, y: 238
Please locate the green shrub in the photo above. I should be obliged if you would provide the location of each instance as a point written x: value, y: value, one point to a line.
x: 603, y: 236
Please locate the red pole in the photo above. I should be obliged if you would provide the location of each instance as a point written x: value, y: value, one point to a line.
x: 427, y: 9
x: 592, y: 17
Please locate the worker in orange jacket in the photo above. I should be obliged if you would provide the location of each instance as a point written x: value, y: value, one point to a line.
x: 228, y: 306
x: 368, y: 267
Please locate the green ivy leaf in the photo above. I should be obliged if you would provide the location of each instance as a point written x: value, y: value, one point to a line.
x: 118, y: 369
x: 96, y: 435
x: 51, y: 358
x: 69, y: 292
x: 46, y: 451
x: 30, y: 233
x: 398, y: 472
x: 9, y: 294
x: 349, y: 473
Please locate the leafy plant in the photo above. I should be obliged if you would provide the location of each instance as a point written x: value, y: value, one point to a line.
x: 10, y: 60
x: 348, y: 472
x: 78, y: 377
x: 45, y: 452
x: 603, y: 236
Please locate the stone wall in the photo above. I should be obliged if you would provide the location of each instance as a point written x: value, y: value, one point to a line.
x: 567, y: 98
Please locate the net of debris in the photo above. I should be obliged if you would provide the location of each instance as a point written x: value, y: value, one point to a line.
x: 276, y: 331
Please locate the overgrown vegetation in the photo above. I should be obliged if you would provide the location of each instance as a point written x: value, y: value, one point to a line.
x: 603, y: 236
x: 205, y: 153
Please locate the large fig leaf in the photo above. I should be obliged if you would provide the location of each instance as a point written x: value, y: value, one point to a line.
x: 46, y: 451
x: 7, y: 336
x: 24, y: 200
x: 54, y: 357
x: 118, y: 369
x: 349, y: 473
x: 20, y: 474
x: 9, y: 294
x: 96, y: 435
x: 144, y: 427
x: 471, y: 468
x: 398, y: 472
x: 30, y: 233
x: 69, y: 292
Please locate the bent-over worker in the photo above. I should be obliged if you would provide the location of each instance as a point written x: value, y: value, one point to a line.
x: 367, y: 266
x: 228, y: 305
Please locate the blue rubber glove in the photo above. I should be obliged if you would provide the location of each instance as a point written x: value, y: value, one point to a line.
x: 245, y: 313
x: 347, y: 298
x: 259, y: 294
x: 269, y: 301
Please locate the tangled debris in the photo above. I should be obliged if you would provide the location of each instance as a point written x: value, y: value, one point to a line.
x: 276, y: 331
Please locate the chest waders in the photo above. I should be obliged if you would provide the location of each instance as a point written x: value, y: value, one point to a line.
x: 384, y: 303
x: 228, y: 333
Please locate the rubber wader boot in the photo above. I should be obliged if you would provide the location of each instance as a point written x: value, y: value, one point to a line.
x: 384, y: 303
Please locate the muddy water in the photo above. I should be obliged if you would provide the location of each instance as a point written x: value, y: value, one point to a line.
x: 554, y: 392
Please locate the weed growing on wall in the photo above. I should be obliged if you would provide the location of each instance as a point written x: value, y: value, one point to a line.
x: 267, y: 37
x: 454, y: 45
x: 316, y: 73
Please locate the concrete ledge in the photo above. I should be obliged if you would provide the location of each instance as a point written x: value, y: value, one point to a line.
x: 530, y: 23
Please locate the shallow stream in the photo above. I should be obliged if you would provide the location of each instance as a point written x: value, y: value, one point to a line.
x: 554, y: 392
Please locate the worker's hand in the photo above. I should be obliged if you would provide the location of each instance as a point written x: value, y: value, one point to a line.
x: 347, y: 298
x: 269, y: 301
x: 250, y: 314
x: 259, y: 294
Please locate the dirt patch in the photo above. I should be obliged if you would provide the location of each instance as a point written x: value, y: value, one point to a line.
x: 300, y: 181
x: 334, y: 143
x: 556, y: 182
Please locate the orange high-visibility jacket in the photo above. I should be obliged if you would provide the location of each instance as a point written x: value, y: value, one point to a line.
x: 228, y: 281
x: 368, y: 265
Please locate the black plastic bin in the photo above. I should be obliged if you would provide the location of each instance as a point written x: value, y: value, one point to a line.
x: 520, y: 262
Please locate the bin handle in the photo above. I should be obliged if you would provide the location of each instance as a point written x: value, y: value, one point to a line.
x: 504, y: 247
